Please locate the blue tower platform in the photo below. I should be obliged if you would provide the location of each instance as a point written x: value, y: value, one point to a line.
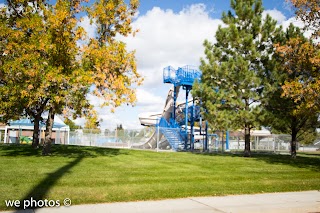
x: 182, y: 77
x: 172, y: 128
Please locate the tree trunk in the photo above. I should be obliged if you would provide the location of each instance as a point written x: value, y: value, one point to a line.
x: 294, y: 133
x: 293, y: 144
x: 247, y: 152
x: 36, y: 129
x: 48, y: 133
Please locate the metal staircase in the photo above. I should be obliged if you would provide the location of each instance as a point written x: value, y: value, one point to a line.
x: 172, y: 133
x: 172, y: 128
x: 173, y: 137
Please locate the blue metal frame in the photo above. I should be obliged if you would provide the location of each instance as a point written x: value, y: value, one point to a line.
x: 185, y: 77
x: 227, y: 141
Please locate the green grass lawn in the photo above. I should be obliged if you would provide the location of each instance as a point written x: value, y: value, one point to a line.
x: 96, y: 175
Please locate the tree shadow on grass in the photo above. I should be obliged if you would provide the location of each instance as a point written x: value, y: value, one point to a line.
x: 88, y: 151
x: 307, y: 161
x: 40, y: 191
x: 18, y: 150
x: 311, y: 163
x: 69, y: 151
x: 75, y: 153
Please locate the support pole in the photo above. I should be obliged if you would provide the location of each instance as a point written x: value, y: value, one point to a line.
x: 222, y: 144
x: 5, y: 134
x: 192, y: 125
x: 227, y: 141
x: 174, y: 101
x: 200, y: 124
x: 20, y: 134
x: 158, y: 134
x: 186, y: 118
x: 205, y: 148
x: 68, y: 132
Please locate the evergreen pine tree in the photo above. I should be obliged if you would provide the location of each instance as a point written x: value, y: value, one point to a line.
x: 232, y: 81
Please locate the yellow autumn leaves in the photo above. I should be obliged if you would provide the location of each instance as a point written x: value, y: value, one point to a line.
x: 46, y: 61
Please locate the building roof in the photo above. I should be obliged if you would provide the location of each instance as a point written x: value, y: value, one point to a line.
x: 27, y: 122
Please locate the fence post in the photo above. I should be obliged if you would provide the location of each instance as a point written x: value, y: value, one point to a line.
x: 238, y: 140
x: 158, y: 133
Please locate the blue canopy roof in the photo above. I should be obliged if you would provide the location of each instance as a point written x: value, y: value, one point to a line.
x: 58, y: 123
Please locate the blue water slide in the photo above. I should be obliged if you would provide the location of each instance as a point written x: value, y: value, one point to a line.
x: 172, y: 128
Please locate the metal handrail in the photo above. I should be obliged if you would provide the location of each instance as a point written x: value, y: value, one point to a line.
x: 183, y: 75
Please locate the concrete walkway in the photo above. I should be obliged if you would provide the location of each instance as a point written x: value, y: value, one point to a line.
x: 304, y: 202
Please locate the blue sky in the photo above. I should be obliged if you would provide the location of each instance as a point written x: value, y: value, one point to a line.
x: 215, y: 6
x: 171, y: 32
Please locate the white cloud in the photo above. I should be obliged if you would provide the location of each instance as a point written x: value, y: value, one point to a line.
x: 146, y: 98
x: 127, y: 116
x: 168, y: 38
x: 94, y: 100
x: 284, y: 22
x: 164, y: 38
x: 109, y: 120
x: 89, y: 28
x: 275, y: 14
x: 79, y: 121
x: 147, y: 101
x: 298, y: 23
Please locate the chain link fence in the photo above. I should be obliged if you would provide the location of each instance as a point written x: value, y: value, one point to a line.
x: 147, y: 138
x: 113, y: 139
x: 258, y: 143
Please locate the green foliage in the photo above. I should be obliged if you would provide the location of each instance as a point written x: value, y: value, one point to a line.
x: 284, y: 114
x: 71, y: 124
x: 232, y: 84
x: 24, y: 60
x: 92, y: 121
x: 119, y: 127
x: 25, y: 140
x: 42, y: 66
x: 113, y: 78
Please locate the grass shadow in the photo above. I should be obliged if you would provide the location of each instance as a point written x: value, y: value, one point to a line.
x: 304, y: 160
x: 73, y: 154
x: 85, y: 151
x: 40, y: 191
x: 15, y: 150
x: 18, y: 150
x: 230, y: 154
x: 314, y: 154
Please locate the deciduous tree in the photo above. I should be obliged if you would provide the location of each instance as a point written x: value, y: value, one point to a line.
x: 92, y: 120
x: 24, y: 61
x: 69, y: 83
x: 113, y: 68
x: 309, y: 12
x: 44, y: 67
x: 303, y: 57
